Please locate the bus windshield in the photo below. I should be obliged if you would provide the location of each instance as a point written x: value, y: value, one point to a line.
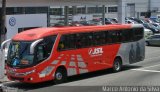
x: 19, y: 54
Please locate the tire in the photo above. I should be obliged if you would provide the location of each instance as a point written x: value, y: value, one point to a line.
x: 60, y: 76
x: 147, y: 43
x: 117, y: 66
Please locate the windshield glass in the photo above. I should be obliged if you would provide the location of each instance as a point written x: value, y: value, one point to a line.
x: 19, y: 54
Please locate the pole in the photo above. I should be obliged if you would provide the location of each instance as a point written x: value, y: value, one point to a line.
x: 103, y: 14
x: 2, y: 30
x: 3, y: 19
x: 66, y: 15
x: 121, y: 11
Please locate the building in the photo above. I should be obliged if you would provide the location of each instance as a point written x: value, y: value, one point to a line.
x: 155, y: 7
x: 73, y: 10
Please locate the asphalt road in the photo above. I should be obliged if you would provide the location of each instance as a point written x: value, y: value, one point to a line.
x: 145, y: 73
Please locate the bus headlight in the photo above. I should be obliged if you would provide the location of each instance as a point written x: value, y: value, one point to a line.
x: 24, y: 74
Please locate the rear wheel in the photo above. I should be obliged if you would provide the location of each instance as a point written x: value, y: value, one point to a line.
x: 60, y: 76
x: 117, y: 66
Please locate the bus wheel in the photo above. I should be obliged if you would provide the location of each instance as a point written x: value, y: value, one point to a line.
x: 60, y: 76
x: 117, y: 66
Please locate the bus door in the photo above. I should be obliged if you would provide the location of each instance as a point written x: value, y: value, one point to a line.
x: 96, y: 58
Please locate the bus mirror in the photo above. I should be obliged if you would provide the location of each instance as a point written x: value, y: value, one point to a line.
x: 33, y: 45
x: 3, y: 44
x: 2, y: 58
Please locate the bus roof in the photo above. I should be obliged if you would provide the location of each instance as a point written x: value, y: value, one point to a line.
x: 37, y: 33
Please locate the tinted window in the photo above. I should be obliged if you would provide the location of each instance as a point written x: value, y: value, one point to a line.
x: 83, y: 40
x: 138, y: 33
x: 118, y: 36
x: 43, y: 49
x: 99, y: 38
x: 127, y: 35
x: 67, y: 42
x: 73, y: 41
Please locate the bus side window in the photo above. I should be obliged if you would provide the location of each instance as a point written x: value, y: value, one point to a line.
x: 78, y: 42
x: 40, y: 53
x: 44, y: 48
x: 138, y: 33
x: 99, y: 38
x: 67, y: 42
x: 61, y: 45
x: 109, y: 37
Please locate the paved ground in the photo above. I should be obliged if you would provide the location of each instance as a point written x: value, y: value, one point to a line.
x: 146, y: 73
x: 5, y: 79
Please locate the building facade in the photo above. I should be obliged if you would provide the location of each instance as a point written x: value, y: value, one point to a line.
x: 55, y: 8
x: 77, y: 10
x: 155, y: 8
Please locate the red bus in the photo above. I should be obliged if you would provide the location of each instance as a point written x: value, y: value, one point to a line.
x: 44, y: 54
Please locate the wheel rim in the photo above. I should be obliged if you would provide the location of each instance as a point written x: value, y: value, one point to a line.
x: 59, y: 76
x: 117, y: 66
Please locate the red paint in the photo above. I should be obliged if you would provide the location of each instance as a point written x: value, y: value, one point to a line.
x: 94, y: 62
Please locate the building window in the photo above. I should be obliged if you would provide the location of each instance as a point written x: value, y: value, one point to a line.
x: 56, y: 11
x: 81, y: 10
x: 70, y: 10
x: 95, y: 9
x: 41, y: 9
x: 25, y: 28
x: 112, y: 9
x: 91, y: 9
x: 26, y: 10
x: 30, y: 10
x: 143, y: 14
x: 14, y: 10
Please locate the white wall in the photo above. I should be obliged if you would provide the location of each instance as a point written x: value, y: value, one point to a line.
x: 155, y: 4
x: 140, y: 5
x: 13, y: 22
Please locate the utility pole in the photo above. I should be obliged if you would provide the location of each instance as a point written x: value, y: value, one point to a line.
x: 121, y: 11
x: 66, y: 8
x: 2, y: 29
x: 103, y: 14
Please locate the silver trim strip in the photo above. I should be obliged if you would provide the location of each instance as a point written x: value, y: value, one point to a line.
x: 137, y: 25
x: 34, y: 44
x: 3, y: 43
x: 2, y: 59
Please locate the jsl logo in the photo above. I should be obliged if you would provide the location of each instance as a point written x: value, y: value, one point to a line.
x: 95, y: 51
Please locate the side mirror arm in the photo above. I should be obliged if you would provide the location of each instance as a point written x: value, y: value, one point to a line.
x: 33, y: 45
x: 3, y: 43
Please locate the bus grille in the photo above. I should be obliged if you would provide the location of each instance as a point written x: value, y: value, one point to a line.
x: 15, y: 78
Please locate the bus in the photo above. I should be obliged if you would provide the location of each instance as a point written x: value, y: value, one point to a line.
x: 45, y: 54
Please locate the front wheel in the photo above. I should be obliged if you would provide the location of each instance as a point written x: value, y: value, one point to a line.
x: 60, y: 76
x: 117, y: 66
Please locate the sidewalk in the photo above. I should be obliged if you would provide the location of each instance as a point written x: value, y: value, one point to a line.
x: 5, y: 79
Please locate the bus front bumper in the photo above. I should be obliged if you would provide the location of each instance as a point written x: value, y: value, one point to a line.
x: 29, y: 77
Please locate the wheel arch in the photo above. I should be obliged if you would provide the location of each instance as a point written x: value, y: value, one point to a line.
x: 119, y: 57
x: 62, y: 67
